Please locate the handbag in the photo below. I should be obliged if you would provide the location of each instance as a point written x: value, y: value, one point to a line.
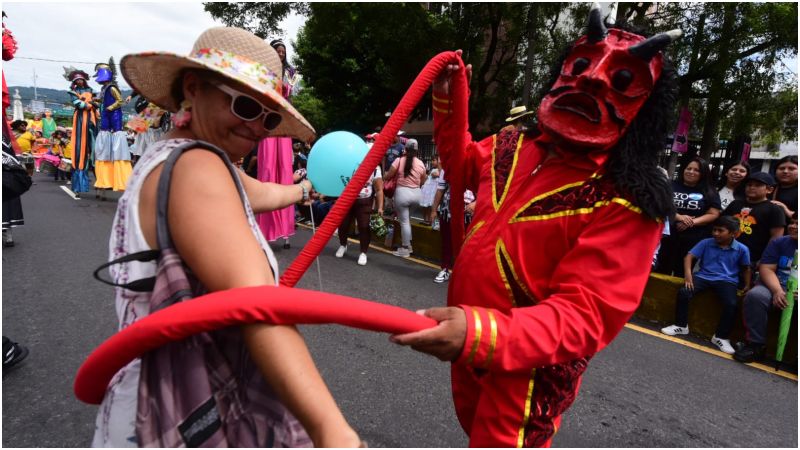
x: 378, y: 225
x: 205, y: 390
x: 389, y: 187
x: 16, y: 180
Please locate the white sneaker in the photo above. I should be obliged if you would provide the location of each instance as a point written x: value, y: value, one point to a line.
x: 442, y: 276
x: 402, y: 252
x: 673, y: 330
x: 340, y: 252
x: 723, y: 344
x: 362, y: 259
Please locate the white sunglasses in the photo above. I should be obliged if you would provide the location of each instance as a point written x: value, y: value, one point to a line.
x: 247, y: 108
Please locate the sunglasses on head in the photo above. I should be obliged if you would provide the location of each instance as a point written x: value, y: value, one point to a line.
x: 247, y: 108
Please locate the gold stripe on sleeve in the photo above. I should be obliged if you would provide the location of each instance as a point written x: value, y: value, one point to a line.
x: 477, y: 340
x: 493, y: 341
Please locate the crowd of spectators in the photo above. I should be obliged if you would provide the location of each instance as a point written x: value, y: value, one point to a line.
x: 739, y: 240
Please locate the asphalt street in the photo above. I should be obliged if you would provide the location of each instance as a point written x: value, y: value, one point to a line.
x: 642, y: 391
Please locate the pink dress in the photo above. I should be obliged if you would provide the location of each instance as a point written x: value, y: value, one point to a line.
x: 275, y: 165
x: 275, y: 159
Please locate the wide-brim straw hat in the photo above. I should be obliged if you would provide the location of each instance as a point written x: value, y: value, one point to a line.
x: 237, y: 55
x: 517, y: 112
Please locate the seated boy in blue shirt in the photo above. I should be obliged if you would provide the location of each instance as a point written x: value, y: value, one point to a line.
x: 769, y: 292
x: 721, y: 259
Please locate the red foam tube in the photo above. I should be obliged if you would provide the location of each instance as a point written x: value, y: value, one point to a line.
x: 263, y: 304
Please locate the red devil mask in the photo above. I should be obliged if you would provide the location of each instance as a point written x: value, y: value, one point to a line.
x: 604, y: 81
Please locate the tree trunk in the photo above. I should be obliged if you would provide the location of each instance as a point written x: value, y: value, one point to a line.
x: 711, y: 125
x: 686, y: 86
x: 531, y: 38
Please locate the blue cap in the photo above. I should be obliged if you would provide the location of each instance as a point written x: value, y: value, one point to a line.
x: 762, y: 177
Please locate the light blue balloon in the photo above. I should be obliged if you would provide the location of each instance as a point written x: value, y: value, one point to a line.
x: 333, y: 160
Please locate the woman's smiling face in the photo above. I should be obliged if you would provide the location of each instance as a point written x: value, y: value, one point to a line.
x: 736, y: 173
x: 786, y: 173
x: 691, y: 174
x: 213, y: 121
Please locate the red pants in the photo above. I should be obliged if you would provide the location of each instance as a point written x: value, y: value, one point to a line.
x: 514, y: 409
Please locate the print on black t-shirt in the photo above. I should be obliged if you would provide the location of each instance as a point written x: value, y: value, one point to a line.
x: 756, y: 221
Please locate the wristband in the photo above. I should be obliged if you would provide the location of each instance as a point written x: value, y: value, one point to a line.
x: 305, y: 191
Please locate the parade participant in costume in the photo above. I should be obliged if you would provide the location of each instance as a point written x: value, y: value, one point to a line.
x: 112, y: 157
x: 9, y: 48
x: 256, y: 385
x: 84, y: 127
x: 35, y: 124
x: 148, y: 124
x: 275, y: 161
x: 48, y: 124
x: 558, y: 252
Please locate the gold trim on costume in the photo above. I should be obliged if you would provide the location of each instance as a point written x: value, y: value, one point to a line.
x: 117, y: 96
x: 575, y: 212
x: 440, y: 110
x: 472, y: 231
x: 477, y: 340
x: 495, y: 202
x: 501, y: 251
x: 493, y: 341
x: 526, y: 417
x: 439, y: 99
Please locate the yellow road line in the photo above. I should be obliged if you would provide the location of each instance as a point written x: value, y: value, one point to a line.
x: 708, y: 350
x: 383, y: 250
x: 711, y: 351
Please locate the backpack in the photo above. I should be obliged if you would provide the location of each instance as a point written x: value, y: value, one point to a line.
x: 16, y: 180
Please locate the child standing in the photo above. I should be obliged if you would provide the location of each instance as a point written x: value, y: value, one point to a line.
x: 721, y: 259
x: 759, y: 219
x: 429, y: 191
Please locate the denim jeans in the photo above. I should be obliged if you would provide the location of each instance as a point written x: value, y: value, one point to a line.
x: 726, y: 293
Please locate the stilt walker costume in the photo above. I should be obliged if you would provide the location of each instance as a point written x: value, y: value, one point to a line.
x: 112, y: 158
x: 567, y: 218
x: 275, y: 164
x: 84, y: 127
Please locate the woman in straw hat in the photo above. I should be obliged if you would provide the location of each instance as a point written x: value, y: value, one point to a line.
x: 251, y: 386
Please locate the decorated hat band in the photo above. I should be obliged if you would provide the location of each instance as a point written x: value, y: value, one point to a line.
x: 239, y: 67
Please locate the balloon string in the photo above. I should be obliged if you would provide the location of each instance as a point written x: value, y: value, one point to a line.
x: 314, y: 232
x: 401, y: 113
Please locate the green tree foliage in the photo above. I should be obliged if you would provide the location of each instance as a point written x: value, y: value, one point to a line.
x: 730, y: 58
x: 360, y: 65
x: 359, y: 58
x: 261, y: 18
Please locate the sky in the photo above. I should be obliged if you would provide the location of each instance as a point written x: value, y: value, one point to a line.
x: 91, y: 32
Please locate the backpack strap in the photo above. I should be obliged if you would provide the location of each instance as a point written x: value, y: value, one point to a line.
x: 162, y: 227
x: 163, y: 236
x: 141, y: 285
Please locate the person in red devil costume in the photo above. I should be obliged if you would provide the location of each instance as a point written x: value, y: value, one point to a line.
x: 559, y: 249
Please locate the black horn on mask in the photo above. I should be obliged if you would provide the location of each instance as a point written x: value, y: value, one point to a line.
x: 650, y: 47
x: 596, y: 30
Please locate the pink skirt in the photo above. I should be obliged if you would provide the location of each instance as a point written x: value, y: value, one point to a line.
x: 275, y: 165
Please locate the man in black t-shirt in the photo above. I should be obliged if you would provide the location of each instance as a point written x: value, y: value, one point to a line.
x: 760, y: 220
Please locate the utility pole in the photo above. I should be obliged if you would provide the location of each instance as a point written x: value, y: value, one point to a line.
x: 35, y: 96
